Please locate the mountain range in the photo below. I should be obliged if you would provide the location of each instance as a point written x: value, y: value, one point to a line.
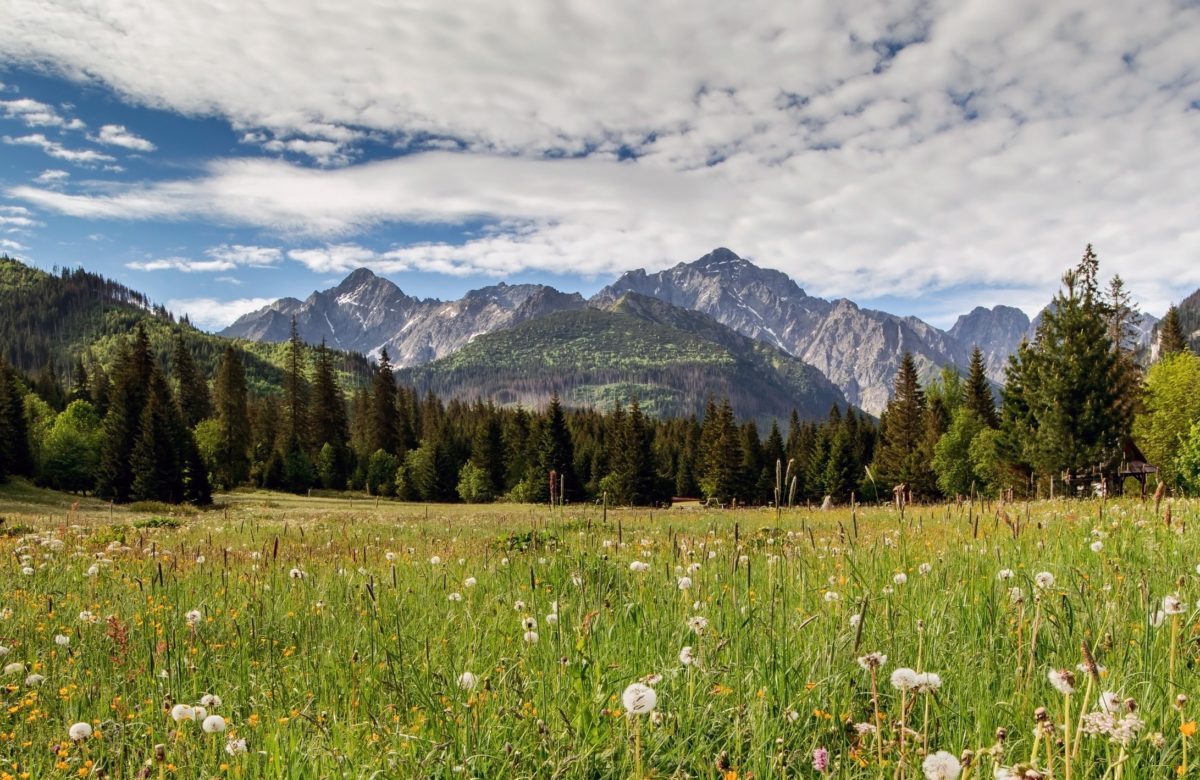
x: 857, y: 349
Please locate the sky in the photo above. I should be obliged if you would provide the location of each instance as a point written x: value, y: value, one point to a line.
x: 917, y: 156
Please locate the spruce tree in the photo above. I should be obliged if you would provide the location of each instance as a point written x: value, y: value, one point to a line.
x: 977, y: 395
x: 902, y: 457
x: 383, y: 408
x: 556, y: 451
x: 1171, y: 340
x: 328, y: 418
x: 722, y: 454
x: 122, y: 424
x: 487, y: 452
x: 81, y: 388
x: 155, y: 462
x: 233, y: 451
x: 195, y: 403
x: 295, y: 394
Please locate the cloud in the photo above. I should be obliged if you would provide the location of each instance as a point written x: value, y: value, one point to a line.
x: 872, y: 149
x: 11, y: 246
x: 117, y: 135
x: 57, y: 150
x: 52, y: 177
x: 212, y: 314
x: 36, y: 114
x: 16, y: 218
x: 220, y: 258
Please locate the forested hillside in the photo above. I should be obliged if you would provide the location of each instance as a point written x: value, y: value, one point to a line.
x: 671, y: 359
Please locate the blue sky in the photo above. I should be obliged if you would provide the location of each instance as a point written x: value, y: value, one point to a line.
x: 916, y: 156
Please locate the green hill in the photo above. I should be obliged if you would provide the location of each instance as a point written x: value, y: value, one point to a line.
x: 55, y: 319
x: 672, y: 359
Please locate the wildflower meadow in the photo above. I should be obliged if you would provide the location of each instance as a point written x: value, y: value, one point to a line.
x: 276, y: 637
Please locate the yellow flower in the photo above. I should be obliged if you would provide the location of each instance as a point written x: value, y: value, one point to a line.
x: 1188, y: 729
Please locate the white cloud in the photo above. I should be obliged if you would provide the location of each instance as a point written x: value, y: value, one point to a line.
x: 52, y: 176
x: 57, y: 150
x: 225, y: 257
x: 212, y: 314
x: 34, y: 113
x: 11, y: 246
x: 869, y: 149
x: 117, y: 135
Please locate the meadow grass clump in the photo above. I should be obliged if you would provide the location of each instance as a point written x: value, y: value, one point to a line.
x: 326, y: 637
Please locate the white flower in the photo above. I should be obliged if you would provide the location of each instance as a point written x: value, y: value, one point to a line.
x: 684, y: 583
x: 872, y: 661
x: 1016, y: 595
x: 296, y: 574
x: 685, y: 656
x: 1044, y: 580
x: 199, y: 713
x: 193, y: 617
x: 182, y: 712
x: 27, y: 571
x: 904, y: 679
x: 1063, y: 680
x: 1172, y: 605
x: 900, y: 578
x: 831, y: 596
x: 199, y: 559
x: 1097, y: 546
x: 87, y: 617
x: 695, y: 567
x: 697, y: 623
x: 235, y: 746
x: 213, y: 724
x: 1156, y: 618
x: 639, y: 699
x: 3, y: 651
x: 928, y: 682
x: 531, y: 637
x: 941, y: 766
x: 1005, y: 574
x: 855, y: 619
x: 34, y: 680
x: 469, y: 582
x: 435, y: 561
x: 639, y: 567
x: 467, y: 681
x: 62, y: 640
x: 519, y: 606
x: 1110, y: 701
x: 80, y: 731
x: 529, y: 623
x: 925, y: 568
x: 92, y: 571
x: 456, y: 596
x: 209, y: 700
x: 790, y: 715
x: 552, y: 618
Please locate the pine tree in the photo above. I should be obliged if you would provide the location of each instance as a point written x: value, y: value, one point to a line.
x: 295, y: 395
x: 1070, y: 391
x: 1171, y: 340
x: 157, y: 471
x: 233, y: 451
x: 721, y: 453
x: 122, y: 424
x: 328, y: 419
x: 977, y: 395
x: 192, y: 388
x: 487, y: 452
x: 81, y: 389
x: 10, y: 406
x: 383, y: 408
x: 902, y: 457
x: 556, y: 451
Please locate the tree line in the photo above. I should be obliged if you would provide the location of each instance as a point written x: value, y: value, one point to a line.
x: 1076, y: 396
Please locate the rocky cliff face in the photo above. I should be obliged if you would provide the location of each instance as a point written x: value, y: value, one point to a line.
x: 366, y: 313
x: 858, y: 349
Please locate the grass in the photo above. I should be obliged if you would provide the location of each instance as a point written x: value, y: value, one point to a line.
x: 336, y: 644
